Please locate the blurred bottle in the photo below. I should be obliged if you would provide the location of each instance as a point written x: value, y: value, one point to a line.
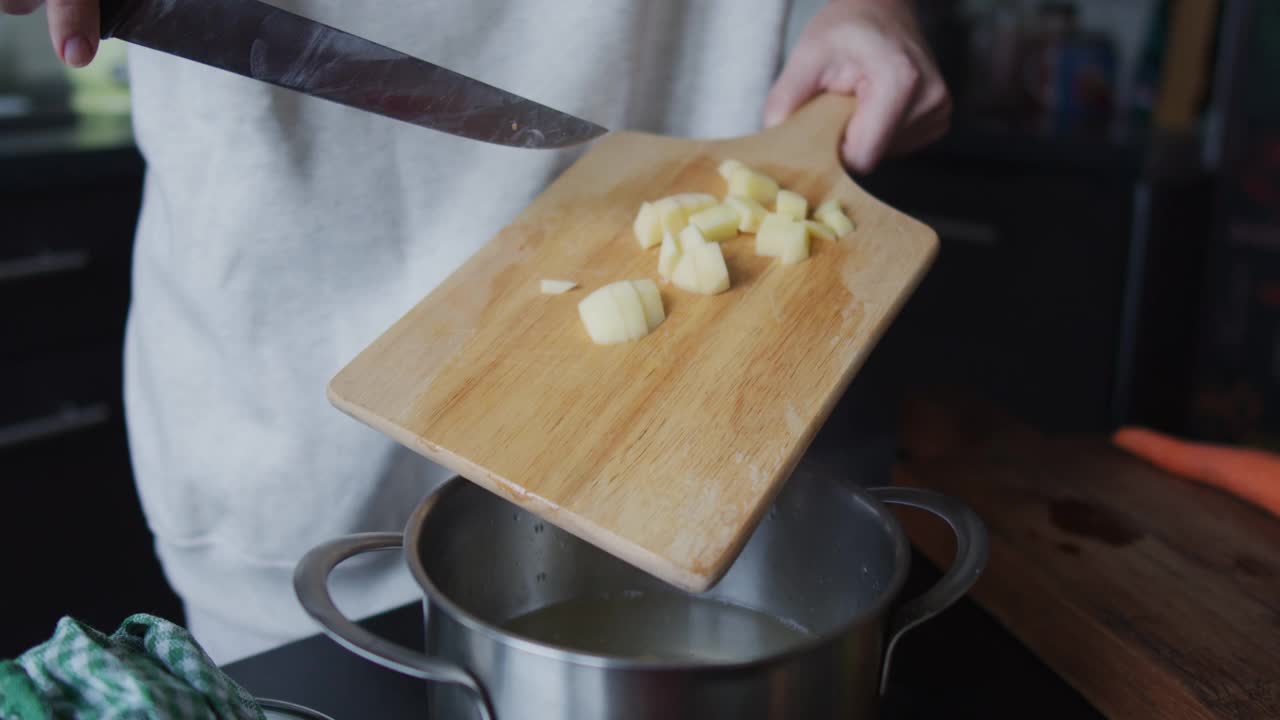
x: 1068, y: 74
x: 996, y: 28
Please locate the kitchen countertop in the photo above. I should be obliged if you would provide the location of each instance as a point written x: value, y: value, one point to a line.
x: 1154, y: 595
x: 961, y: 664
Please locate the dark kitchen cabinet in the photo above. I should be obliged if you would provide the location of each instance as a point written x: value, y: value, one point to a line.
x: 1027, y: 296
x: 75, y: 538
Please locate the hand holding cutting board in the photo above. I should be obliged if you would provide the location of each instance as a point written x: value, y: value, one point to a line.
x: 873, y: 50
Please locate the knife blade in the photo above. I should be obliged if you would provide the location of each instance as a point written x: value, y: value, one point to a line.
x: 259, y: 41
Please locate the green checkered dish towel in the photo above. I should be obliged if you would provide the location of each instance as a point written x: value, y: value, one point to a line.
x: 148, y: 669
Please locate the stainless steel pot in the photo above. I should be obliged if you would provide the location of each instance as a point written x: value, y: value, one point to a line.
x: 827, y: 556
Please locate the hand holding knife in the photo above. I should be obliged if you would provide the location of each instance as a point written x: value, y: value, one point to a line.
x: 259, y: 41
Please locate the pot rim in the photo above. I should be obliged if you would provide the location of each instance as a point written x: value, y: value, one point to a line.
x: 413, y: 530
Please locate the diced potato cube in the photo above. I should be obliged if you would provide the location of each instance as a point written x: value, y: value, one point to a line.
x: 646, y: 226
x: 728, y: 167
x: 830, y: 214
x: 556, y: 287
x: 795, y: 246
x: 817, y: 229
x: 745, y: 182
x: 690, y: 237
x: 702, y: 270
x: 717, y: 223
x: 776, y: 233
x: 693, y: 202
x: 621, y: 311
x: 671, y: 216
x: 713, y: 273
x: 651, y: 299
x: 838, y: 222
x: 674, y: 248
x: 792, y: 204
x: 750, y: 213
x: 631, y: 307
x: 669, y: 255
x: 602, y: 317
x: 685, y: 276
x: 828, y: 205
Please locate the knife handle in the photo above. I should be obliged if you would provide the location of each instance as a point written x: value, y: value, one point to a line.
x: 113, y: 13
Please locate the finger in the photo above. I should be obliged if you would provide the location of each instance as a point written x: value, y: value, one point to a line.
x: 884, y: 96
x: 798, y: 82
x: 932, y: 98
x: 19, y: 7
x: 920, y: 133
x: 928, y: 119
x: 73, y: 28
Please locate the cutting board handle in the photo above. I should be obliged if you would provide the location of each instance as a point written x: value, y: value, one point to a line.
x: 812, y: 134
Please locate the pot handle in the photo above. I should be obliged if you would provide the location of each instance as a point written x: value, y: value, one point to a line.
x: 970, y: 559
x: 311, y: 585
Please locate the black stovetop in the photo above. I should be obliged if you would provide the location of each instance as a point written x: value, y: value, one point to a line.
x: 959, y: 665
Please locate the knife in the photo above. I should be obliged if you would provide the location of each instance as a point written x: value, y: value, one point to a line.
x: 259, y: 41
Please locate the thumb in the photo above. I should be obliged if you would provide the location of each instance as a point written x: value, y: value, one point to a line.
x: 73, y: 28
x: 800, y: 80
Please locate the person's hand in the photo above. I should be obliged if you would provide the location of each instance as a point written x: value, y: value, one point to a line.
x: 872, y: 49
x: 73, y: 26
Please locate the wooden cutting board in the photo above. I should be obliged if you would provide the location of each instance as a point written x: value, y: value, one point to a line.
x: 667, y: 450
x: 1154, y: 596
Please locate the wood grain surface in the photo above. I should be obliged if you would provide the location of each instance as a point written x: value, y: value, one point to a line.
x: 667, y: 450
x: 1157, y: 598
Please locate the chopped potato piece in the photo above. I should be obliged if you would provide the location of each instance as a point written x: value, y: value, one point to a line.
x: 632, y: 307
x: 669, y: 255
x: 621, y: 311
x: 556, y: 287
x: 792, y: 204
x: 745, y: 182
x: 702, y: 270
x: 776, y: 233
x: 693, y: 202
x: 830, y: 214
x: 651, y: 299
x: 750, y: 213
x: 686, y: 274
x: 717, y: 223
x: 795, y: 246
x: 646, y: 226
x: 690, y: 237
x: 671, y: 216
x: 602, y: 317
x: 839, y: 223
x: 728, y: 167
x: 675, y: 246
x: 817, y: 229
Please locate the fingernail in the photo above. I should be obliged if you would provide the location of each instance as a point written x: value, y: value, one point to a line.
x: 772, y: 117
x: 76, y: 51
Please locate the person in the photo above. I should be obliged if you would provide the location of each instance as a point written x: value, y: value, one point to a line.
x: 279, y: 234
